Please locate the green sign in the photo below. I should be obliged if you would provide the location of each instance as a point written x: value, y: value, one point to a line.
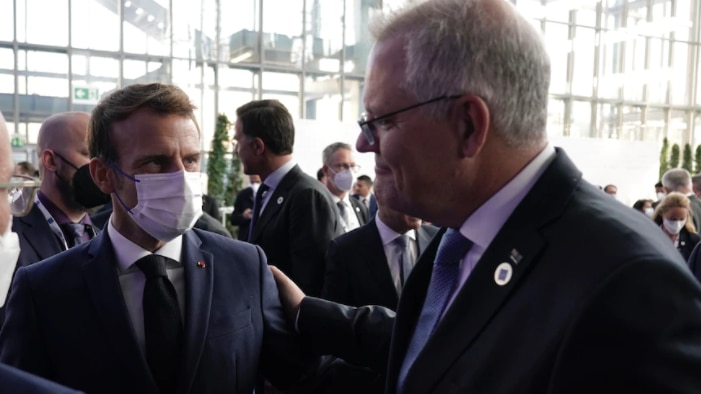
x: 18, y: 141
x: 82, y: 94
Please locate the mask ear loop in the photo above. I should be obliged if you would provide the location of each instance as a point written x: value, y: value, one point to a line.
x: 119, y: 170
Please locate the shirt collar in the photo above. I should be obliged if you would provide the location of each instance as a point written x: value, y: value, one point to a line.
x: 484, y: 224
x: 273, y: 180
x: 127, y: 252
x: 388, y: 235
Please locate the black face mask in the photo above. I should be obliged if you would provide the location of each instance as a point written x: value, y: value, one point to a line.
x: 85, y: 191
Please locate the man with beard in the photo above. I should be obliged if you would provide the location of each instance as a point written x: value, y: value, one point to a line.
x: 57, y: 221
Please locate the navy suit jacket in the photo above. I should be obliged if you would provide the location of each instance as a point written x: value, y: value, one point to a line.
x: 357, y: 272
x: 67, y: 321
x: 36, y: 239
x: 372, y: 204
x: 295, y: 228
x: 599, y: 301
x: 15, y: 381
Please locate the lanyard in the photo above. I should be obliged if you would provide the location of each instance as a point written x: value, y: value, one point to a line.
x: 52, y: 223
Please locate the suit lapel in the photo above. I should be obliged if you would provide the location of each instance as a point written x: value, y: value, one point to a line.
x: 376, y: 263
x: 276, y: 201
x: 106, y: 295
x: 39, y: 235
x: 199, y: 279
x: 517, y: 247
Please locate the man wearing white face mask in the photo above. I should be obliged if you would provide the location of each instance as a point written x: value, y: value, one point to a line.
x: 13, y: 380
x: 151, y: 305
x: 340, y: 169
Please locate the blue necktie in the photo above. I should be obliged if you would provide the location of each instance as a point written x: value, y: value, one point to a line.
x: 257, y: 205
x: 452, y: 248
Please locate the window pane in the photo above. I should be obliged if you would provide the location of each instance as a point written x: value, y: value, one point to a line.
x: 146, y: 27
x: 46, y: 22
x: 95, y: 24
x: 240, y: 31
x: 7, y: 26
x: 282, y: 27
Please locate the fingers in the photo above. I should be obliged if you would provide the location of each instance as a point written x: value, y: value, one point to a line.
x: 291, y: 295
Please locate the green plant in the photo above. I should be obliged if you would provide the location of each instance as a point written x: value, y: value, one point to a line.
x: 674, y: 157
x: 664, y: 157
x: 216, y: 165
x: 697, y: 159
x: 687, y: 162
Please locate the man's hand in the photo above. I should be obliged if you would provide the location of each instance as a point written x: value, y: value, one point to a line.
x: 290, y: 294
x: 247, y: 214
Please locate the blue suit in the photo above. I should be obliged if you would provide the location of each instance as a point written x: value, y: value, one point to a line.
x: 67, y: 321
x: 14, y: 381
x: 36, y: 239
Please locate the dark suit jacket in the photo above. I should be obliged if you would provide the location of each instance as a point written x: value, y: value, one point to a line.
x: 244, y: 200
x: 695, y: 204
x: 295, y: 228
x: 372, y: 205
x: 599, y: 301
x: 67, y: 321
x: 14, y: 381
x: 210, y: 206
x: 694, y: 262
x: 36, y: 239
x: 361, y: 212
x: 357, y: 272
x: 687, y: 242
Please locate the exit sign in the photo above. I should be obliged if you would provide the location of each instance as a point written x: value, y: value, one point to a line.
x: 18, y: 141
x: 85, y: 95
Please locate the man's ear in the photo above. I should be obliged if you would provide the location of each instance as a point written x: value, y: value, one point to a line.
x: 474, y: 124
x: 258, y: 146
x: 102, y: 175
x: 48, y: 160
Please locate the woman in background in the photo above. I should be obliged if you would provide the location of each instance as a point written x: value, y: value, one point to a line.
x: 673, y: 215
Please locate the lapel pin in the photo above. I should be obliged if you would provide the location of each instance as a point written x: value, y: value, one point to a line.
x: 503, y: 273
x: 201, y: 264
x: 515, y: 256
x: 280, y: 200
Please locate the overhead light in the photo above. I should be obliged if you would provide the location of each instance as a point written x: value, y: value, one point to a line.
x: 127, y: 4
x: 139, y: 11
x: 160, y: 25
x: 150, y: 18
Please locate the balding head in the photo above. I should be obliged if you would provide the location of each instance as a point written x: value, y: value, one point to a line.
x: 63, y: 148
x: 6, y: 167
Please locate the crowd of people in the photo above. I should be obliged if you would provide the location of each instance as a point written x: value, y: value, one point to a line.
x: 477, y: 260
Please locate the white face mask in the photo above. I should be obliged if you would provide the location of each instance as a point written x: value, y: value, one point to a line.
x: 9, y: 253
x: 168, y: 204
x: 649, y: 212
x: 673, y: 226
x: 343, y: 180
x: 661, y: 195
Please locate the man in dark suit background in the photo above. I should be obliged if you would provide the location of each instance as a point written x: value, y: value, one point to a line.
x: 540, y: 283
x: 150, y: 304
x: 339, y: 167
x: 296, y: 219
x: 13, y: 380
x: 363, y: 192
x: 364, y: 266
x: 243, y: 207
x: 58, y: 220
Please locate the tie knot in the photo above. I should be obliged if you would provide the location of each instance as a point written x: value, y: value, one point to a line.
x: 452, y: 248
x: 153, y: 266
x: 401, y: 241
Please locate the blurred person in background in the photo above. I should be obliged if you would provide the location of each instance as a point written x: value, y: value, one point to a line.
x: 644, y: 206
x: 674, y: 216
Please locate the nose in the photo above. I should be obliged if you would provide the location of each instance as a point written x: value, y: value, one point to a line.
x: 362, y: 144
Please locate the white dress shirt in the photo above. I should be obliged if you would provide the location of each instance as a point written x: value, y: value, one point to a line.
x: 132, y: 279
x: 483, y: 225
x: 352, y: 222
x: 388, y: 236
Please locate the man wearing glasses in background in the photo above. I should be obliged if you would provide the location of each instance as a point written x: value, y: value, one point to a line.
x: 16, y: 198
x: 340, y: 169
x: 58, y: 221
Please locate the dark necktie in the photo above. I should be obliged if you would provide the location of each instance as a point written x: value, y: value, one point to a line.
x: 444, y: 277
x: 75, y: 233
x: 403, y: 259
x: 342, y: 211
x: 257, y: 205
x: 163, y: 326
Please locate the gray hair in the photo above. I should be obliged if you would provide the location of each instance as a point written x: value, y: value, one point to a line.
x: 677, y: 180
x: 331, y: 149
x: 480, y: 47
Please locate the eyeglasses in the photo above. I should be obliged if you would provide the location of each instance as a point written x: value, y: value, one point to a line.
x: 342, y: 166
x: 366, y: 124
x: 21, y: 191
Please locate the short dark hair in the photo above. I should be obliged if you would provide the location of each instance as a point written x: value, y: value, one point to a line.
x: 320, y: 174
x: 270, y: 121
x: 120, y: 104
x: 366, y: 179
x: 658, y: 184
x: 27, y: 168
